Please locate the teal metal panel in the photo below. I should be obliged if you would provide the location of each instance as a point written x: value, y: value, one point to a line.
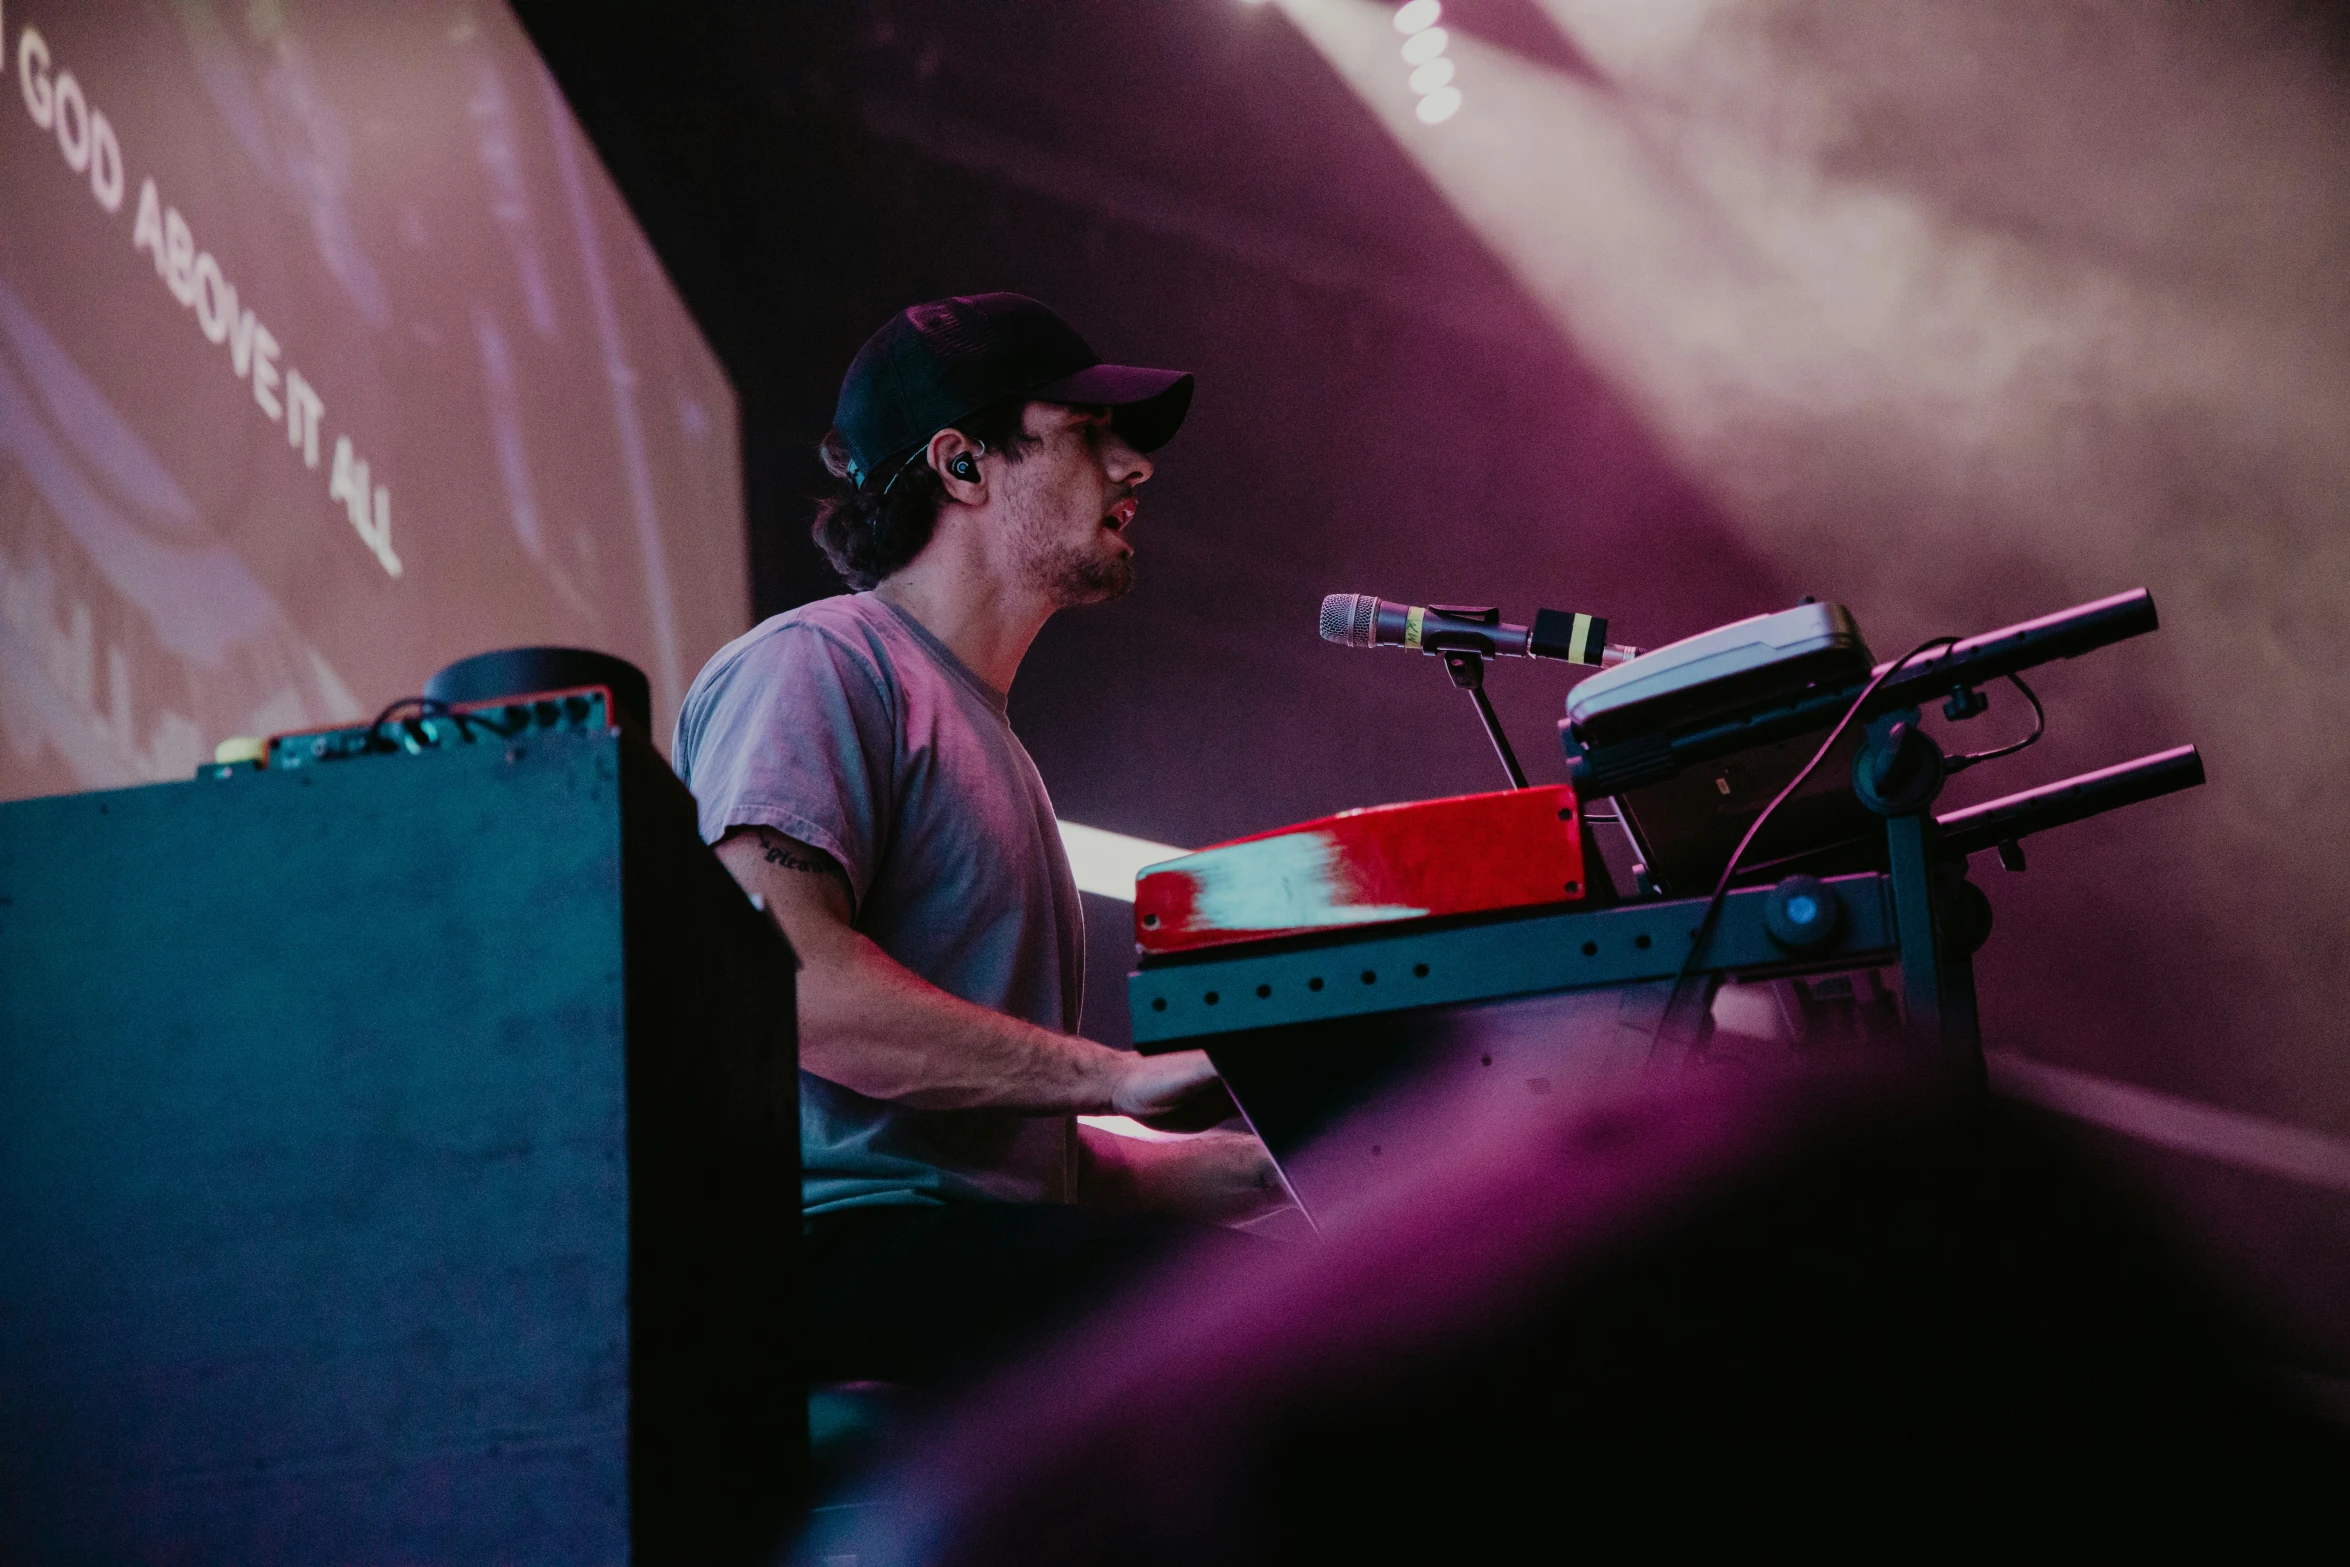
x: 314, y: 1171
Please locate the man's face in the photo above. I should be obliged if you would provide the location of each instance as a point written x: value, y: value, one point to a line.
x: 1070, y: 500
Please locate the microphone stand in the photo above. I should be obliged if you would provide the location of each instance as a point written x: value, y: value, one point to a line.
x: 1467, y: 669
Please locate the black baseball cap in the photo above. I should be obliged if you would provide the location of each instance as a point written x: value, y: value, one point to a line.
x: 935, y: 363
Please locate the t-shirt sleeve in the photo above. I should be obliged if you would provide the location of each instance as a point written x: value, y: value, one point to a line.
x: 797, y: 733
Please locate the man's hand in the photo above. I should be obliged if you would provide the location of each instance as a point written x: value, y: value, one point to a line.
x: 1218, y: 1177
x: 1176, y: 1092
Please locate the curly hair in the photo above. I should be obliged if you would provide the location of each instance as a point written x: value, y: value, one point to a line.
x: 868, y: 534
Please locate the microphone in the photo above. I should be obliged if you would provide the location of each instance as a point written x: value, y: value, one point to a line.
x: 1360, y: 620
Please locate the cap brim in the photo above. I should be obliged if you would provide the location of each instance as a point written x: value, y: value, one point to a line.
x: 1146, y: 406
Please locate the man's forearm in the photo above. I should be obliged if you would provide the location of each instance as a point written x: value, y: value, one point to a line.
x: 869, y: 1024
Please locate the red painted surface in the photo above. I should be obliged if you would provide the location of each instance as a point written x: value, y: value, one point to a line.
x: 1380, y: 865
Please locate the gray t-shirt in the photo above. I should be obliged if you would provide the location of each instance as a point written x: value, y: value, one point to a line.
x: 847, y: 725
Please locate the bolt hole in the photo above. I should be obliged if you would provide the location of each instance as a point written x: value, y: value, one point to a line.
x: 1641, y: 941
x: 1370, y: 976
x: 1212, y: 998
x: 1574, y: 889
x: 1591, y: 949
x: 1150, y: 922
x: 1419, y: 971
x: 1158, y: 1003
x: 1315, y: 983
x: 1263, y: 991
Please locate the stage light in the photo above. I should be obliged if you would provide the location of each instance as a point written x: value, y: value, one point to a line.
x: 1105, y: 863
x: 1417, y: 15
x: 1432, y: 71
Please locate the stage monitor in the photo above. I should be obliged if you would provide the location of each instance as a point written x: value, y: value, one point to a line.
x: 329, y: 354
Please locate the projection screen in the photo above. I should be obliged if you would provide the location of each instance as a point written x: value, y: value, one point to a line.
x: 328, y: 354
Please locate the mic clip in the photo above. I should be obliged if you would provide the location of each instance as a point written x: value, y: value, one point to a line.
x: 1426, y: 629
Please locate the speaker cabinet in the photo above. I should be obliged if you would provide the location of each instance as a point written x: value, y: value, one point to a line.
x: 398, y: 1163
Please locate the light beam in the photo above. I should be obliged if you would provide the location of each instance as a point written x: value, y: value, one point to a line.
x: 1949, y: 305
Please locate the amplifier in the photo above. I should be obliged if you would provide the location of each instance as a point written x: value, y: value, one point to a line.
x: 398, y: 1162
x: 434, y: 726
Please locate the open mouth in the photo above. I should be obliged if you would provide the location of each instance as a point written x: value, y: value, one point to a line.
x: 1118, y: 517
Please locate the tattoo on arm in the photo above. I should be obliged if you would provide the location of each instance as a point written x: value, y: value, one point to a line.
x: 777, y: 854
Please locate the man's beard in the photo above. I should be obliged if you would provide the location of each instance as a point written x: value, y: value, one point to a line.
x: 1071, y: 576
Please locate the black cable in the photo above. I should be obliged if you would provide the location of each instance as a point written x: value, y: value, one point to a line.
x: 466, y: 720
x: 375, y: 731
x: 2039, y: 728
x: 407, y: 701
x: 427, y: 707
x: 1713, y: 905
x: 1951, y: 765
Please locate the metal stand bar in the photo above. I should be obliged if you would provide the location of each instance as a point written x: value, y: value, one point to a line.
x: 1937, y: 978
x: 1962, y: 1029
x: 2070, y: 800
x: 1501, y: 742
x: 1913, y: 924
x: 1468, y: 672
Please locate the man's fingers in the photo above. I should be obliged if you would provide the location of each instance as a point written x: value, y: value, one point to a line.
x: 1193, y: 1068
x: 1168, y: 1079
x: 1206, y: 1105
x: 1156, y: 1085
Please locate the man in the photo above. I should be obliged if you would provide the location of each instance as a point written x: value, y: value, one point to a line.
x: 855, y: 769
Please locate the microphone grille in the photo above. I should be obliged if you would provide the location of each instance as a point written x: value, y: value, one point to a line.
x: 1347, y: 619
